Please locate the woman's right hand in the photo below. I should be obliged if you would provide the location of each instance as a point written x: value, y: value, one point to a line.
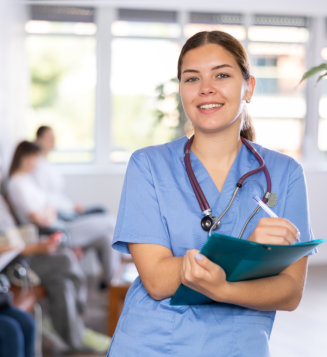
x: 275, y: 231
x: 48, y: 246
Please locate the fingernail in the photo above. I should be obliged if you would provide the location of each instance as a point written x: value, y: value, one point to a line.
x: 198, y: 256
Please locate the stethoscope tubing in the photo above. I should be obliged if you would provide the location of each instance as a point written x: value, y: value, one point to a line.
x: 260, y: 168
x: 203, y: 203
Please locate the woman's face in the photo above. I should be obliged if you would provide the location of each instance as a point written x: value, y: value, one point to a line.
x: 212, y: 88
x: 47, y: 141
x: 30, y: 162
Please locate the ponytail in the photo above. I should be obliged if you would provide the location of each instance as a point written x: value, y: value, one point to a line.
x: 247, y: 130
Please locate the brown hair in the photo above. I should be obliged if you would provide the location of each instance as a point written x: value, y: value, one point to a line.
x: 236, y: 49
x: 23, y: 149
x: 41, y: 130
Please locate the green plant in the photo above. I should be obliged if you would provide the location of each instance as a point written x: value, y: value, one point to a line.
x: 315, y: 70
x: 169, y: 109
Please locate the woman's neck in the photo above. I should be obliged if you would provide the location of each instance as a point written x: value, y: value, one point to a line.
x: 44, y: 153
x: 217, y: 153
x: 216, y: 147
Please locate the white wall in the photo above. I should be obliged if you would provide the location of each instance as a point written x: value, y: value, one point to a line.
x: 106, y: 189
x: 12, y: 76
x: 316, y: 181
x: 96, y: 188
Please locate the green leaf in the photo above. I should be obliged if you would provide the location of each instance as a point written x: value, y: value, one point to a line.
x: 314, y: 70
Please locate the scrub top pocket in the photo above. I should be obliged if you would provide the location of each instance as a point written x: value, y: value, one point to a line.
x: 140, y: 331
x: 251, y: 335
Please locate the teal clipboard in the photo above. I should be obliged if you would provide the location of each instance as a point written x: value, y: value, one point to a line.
x: 244, y: 260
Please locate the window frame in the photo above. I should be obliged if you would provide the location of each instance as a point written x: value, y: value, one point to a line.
x: 105, y: 16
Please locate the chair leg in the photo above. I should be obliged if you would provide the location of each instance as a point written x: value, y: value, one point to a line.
x: 37, y: 312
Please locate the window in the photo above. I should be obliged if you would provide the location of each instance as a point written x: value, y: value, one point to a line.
x: 144, y: 55
x: 137, y: 49
x: 61, y: 50
x: 277, y: 50
x: 201, y: 21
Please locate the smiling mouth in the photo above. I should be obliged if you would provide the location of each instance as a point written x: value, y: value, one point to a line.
x: 210, y: 106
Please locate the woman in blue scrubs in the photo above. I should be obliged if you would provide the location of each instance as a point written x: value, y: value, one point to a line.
x: 159, y: 220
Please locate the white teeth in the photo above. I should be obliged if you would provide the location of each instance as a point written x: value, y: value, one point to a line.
x: 210, y: 106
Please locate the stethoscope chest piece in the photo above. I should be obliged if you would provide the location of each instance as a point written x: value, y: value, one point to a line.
x: 207, y: 223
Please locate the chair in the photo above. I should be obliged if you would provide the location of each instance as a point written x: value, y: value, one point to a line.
x: 119, y: 286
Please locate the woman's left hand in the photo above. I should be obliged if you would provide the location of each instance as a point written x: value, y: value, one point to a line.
x: 202, y: 275
x: 79, y: 209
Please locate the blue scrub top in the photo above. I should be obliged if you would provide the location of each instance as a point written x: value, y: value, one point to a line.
x: 158, y: 206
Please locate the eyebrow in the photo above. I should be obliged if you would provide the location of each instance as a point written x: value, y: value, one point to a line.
x: 213, y: 68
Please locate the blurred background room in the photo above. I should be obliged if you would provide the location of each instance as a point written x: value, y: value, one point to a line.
x: 102, y: 75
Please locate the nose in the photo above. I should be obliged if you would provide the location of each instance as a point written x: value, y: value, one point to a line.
x: 206, y: 88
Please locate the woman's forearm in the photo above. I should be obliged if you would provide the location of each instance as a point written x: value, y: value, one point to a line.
x: 159, y: 270
x: 6, y: 248
x: 42, y: 220
x: 280, y: 292
x: 32, y: 249
x: 166, y: 278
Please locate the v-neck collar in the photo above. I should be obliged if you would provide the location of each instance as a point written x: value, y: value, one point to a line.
x: 202, y: 173
x: 243, y: 163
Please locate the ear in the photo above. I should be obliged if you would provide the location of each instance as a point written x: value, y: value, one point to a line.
x: 249, y: 90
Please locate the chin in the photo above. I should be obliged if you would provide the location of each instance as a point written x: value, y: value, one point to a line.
x: 211, y: 129
x: 215, y: 128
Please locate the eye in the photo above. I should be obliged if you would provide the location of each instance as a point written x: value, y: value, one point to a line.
x: 222, y: 75
x: 191, y: 79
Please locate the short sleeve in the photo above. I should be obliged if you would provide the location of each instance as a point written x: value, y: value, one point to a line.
x: 21, y: 196
x: 6, y: 219
x: 296, y: 204
x: 139, y: 218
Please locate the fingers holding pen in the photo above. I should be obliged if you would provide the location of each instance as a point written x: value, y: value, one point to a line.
x: 275, y: 231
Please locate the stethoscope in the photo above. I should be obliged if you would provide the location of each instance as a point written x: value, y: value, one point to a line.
x: 209, y: 222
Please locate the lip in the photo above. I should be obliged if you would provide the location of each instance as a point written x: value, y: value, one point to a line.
x: 209, y: 110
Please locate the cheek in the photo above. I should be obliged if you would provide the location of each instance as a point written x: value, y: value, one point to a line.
x: 231, y: 91
x: 187, y: 95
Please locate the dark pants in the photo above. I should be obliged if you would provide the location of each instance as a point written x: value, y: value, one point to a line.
x: 17, y: 333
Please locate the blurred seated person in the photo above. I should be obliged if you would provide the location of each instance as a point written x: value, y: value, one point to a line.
x: 63, y: 279
x: 17, y: 328
x: 33, y: 205
x: 51, y: 181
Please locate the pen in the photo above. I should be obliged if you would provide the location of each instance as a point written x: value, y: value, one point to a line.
x: 270, y: 212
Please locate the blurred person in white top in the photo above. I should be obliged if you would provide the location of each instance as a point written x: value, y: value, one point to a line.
x: 33, y: 204
x: 52, y: 182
